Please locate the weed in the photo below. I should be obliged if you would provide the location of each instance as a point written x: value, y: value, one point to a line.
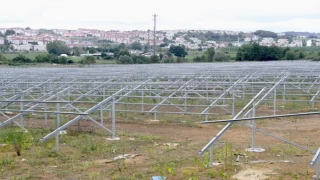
x: 223, y: 174
x: 212, y: 174
x: 93, y: 175
x: 7, y: 162
x: 17, y: 139
x: 186, y: 173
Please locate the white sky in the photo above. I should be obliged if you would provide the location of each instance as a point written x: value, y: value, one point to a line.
x: 238, y: 15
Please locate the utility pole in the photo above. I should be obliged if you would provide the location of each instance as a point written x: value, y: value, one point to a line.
x: 154, y: 33
x: 148, y: 45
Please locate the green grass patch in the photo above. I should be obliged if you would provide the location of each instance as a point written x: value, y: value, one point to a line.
x: 192, y: 54
x: 28, y: 55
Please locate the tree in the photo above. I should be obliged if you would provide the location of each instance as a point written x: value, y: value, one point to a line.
x: 124, y: 59
x: 92, y: 50
x: 140, y: 59
x: 169, y: 54
x: 304, y: 43
x: 146, y: 47
x: 63, y: 60
x: 9, y: 32
x: 136, y: 46
x: 220, y: 56
x: 161, y: 56
x: 123, y: 52
x: 263, y: 33
x: 58, y: 48
x: 105, y: 56
x: 209, y: 54
x: 164, y: 45
x: 290, y: 55
x: 301, y: 55
x: 122, y: 46
x: 154, y: 59
x: 178, y: 51
x: 255, y: 52
x: 41, y: 58
x: 88, y: 60
x: 199, y: 58
x: 77, y: 51
x: 51, y: 58
x: 165, y: 39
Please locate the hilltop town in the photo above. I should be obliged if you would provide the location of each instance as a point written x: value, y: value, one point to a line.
x: 27, y: 39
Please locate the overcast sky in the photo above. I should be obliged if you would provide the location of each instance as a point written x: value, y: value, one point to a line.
x: 237, y: 15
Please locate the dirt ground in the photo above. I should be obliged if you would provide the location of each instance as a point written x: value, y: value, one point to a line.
x: 270, y: 164
x: 279, y: 161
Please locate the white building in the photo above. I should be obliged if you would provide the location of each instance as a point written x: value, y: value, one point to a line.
x: 247, y: 39
x: 309, y: 43
x: 267, y: 42
x: 296, y: 43
x: 26, y: 47
x: 40, y: 48
x: 30, y: 33
x: 283, y: 42
x: 255, y: 38
x: 1, y: 40
x: 29, y: 47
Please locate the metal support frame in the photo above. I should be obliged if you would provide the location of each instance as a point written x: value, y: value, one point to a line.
x: 316, y: 161
x: 81, y: 116
x: 211, y: 88
x: 213, y: 140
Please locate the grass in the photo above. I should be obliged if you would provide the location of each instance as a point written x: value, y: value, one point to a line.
x: 75, y: 59
x: 83, y: 155
x: 230, y: 52
x: 28, y: 55
x: 192, y: 54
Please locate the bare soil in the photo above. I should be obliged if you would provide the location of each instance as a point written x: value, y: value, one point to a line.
x: 279, y: 161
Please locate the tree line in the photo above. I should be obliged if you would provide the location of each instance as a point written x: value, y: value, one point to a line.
x: 256, y: 52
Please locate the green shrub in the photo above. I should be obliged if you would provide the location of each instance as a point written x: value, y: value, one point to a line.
x: 21, y: 59
x: 16, y: 138
x: 88, y: 60
x: 125, y: 59
x: 317, y: 58
x: 199, y: 58
x: 181, y: 60
x: 2, y: 59
x: 70, y: 61
x: 154, y: 59
x: 290, y: 55
x: 220, y: 56
x: 140, y: 59
x: 168, y: 60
